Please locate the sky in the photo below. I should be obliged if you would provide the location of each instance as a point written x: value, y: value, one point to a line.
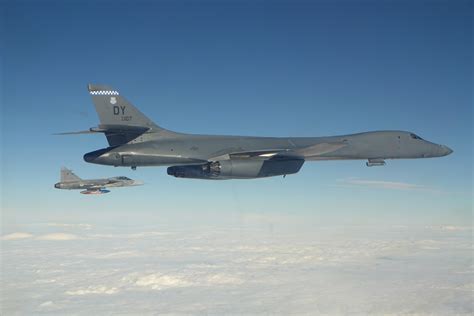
x: 260, y: 68
x: 242, y: 68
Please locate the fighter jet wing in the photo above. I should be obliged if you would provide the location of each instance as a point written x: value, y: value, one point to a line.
x: 102, y: 184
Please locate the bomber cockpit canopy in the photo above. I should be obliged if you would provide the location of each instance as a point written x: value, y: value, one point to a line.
x: 414, y: 136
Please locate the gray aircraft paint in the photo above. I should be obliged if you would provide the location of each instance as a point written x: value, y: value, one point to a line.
x: 137, y: 141
x: 70, y: 181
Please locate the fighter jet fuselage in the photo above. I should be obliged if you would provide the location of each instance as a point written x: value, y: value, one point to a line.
x: 70, y: 181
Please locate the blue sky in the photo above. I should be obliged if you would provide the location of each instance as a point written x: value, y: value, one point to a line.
x: 247, y: 68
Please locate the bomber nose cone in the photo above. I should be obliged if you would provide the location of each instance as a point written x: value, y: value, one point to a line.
x: 447, y: 150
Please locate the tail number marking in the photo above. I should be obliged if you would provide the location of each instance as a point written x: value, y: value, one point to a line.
x: 120, y: 110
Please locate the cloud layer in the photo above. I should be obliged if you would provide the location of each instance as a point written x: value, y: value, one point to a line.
x: 332, y: 270
x: 17, y: 235
x: 387, y: 185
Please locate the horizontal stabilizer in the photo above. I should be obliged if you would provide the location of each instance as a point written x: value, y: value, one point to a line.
x: 77, y: 133
x: 116, y: 134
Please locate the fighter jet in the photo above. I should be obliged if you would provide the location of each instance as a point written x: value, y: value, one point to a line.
x: 70, y: 181
x: 135, y: 140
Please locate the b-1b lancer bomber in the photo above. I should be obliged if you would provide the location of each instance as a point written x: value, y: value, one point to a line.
x: 134, y: 140
x: 69, y: 181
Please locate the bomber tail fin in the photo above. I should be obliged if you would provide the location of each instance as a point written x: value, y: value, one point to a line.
x: 68, y: 176
x: 119, y: 119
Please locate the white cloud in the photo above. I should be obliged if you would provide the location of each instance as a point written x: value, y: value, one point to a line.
x: 101, y: 289
x: 223, y: 278
x: 43, y: 281
x: 148, y: 234
x: 58, y: 236
x: 16, y: 236
x: 389, y: 185
x: 450, y: 228
x: 51, y: 236
x: 158, y: 281
x: 45, y: 304
x: 202, y: 277
x: 132, y: 235
x: 48, y: 306
x: 66, y: 225
x: 429, y: 244
x: 119, y: 255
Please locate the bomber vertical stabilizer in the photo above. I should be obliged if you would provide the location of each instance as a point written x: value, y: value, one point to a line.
x: 120, y: 120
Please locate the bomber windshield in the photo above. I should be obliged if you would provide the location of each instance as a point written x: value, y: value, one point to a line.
x: 415, y: 136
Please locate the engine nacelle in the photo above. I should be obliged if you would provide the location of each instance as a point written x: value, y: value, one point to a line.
x: 237, y: 169
x: 375, y: 163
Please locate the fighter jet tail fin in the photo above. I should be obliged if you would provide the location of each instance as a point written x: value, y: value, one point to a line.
x: 120, y: 120
x: 68, y: 176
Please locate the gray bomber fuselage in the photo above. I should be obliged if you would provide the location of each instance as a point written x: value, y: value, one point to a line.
x: 135, y: 140
x: 182, y: 149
